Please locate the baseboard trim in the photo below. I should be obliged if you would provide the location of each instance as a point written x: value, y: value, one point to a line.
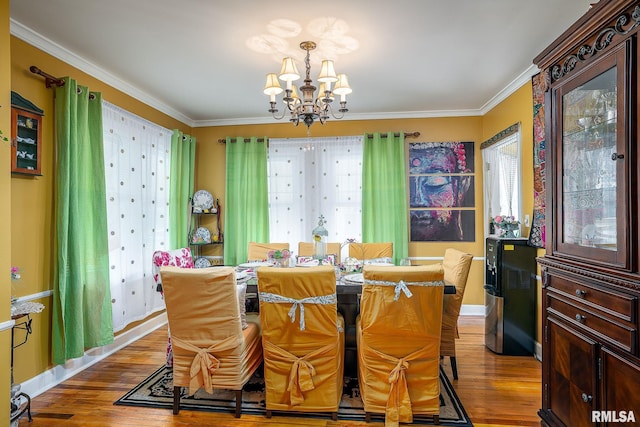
x: 472, y: 310
x: 54, y: 376
x: 538, y: 351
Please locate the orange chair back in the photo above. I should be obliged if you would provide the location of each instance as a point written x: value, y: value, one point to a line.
x: 307, y: 249
x: 398, y: 337
x: 258, y: 251
x: 303, y: 357
x: 456, y: 271
x: 203, y: 313
x: 371, y: 250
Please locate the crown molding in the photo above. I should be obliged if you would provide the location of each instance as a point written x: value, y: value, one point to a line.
x: 352, y: 117
x: 37, y: 40
x: 517, y: 83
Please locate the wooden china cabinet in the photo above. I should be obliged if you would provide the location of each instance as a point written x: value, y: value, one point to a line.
x: 590, y: 272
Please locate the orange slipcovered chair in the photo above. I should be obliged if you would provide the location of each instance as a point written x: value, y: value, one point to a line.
x: 366, y: 251
x: 307, y: 249
x: 258, y: 251
x: 398, y: 338
x: 456, y: 266
x: 303, y: 339
x: 210, y: 348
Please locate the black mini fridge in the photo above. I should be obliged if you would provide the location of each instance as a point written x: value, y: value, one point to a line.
x: 510, y: 296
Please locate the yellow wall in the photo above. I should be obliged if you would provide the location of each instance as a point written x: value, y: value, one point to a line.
x: 5, y: 212
x: 210, y: 168
x: 31, y: 207
x: 519, y: 108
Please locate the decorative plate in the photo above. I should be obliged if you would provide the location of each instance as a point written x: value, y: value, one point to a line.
x: 254, y: 264
x: 202, y: 200
x: 202, y: 235
x: 202, y: 263
x: 356, y: 278
x: 309, y: 263
x: 380, y: 264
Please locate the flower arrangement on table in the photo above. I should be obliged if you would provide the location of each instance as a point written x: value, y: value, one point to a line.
x: 351, y: 264
x: 280, y: 257
x: 505, y: 225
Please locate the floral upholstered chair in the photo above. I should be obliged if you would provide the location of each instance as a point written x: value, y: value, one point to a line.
x: 176, y: 258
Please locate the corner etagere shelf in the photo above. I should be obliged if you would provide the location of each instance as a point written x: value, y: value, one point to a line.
x: 217, y: 237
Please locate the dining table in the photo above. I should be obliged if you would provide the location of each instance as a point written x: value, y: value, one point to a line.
x: 348, y: 291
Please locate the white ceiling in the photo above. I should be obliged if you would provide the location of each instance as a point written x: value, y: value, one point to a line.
x: 193, y: 60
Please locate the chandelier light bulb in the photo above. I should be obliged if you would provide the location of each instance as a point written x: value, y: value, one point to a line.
x: 289, y: 71
x: 272, y: 86
x: 342, y: 87
x: 327, y: 72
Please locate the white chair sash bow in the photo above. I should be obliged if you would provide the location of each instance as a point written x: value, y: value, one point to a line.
x: 402, y: 286
x: 297, y: 303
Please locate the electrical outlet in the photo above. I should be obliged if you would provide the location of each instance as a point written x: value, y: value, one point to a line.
x: 526, y: 221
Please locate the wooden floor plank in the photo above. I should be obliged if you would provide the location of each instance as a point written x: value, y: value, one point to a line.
x: 495, y: 390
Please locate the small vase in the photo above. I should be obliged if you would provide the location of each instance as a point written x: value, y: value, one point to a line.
x: 510, y: 231
x: 281, y: 262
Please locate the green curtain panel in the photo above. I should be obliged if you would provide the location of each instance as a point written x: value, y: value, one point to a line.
x: 246, y: 197
x: 82, y: 299
x: 384, y: 192
x: 183, y: 160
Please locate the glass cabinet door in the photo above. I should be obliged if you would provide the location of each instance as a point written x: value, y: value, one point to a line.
x: 592, y: 212
x: 26, y: 142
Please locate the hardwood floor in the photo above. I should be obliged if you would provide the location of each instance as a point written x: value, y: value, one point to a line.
x: 495, y: 390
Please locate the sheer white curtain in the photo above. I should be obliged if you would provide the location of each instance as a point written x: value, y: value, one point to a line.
x: 309, y: 177
x: 502, y: 180
x: 137, y: 157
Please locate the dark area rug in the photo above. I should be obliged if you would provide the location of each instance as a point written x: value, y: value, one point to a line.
x: 156, y: 391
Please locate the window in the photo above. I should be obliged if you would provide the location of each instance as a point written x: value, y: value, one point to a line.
x: 309, y: 177
x: 502, y: 175
x: 137, y: 157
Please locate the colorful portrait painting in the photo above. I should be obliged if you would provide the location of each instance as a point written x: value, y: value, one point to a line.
x: 441, y: 177
x: 440, y: 157
x: 443, y: 225
x: 441, y: 191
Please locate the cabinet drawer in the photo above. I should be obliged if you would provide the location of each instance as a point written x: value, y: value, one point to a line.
x: 615, y: 304
x: 623, y: 336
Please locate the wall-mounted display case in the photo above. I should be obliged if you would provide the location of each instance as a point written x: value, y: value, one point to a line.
x: 26, y: 136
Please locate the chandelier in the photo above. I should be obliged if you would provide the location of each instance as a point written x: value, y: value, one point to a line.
x: 308, y: 108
